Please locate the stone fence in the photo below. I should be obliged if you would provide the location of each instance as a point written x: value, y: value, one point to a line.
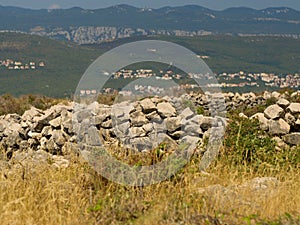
x: 144, y: 124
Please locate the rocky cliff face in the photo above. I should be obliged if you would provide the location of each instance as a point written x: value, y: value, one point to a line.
x: 141, y: 125
x: 96, y: 35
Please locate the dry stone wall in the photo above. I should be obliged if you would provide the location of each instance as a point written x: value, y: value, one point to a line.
x: 143, y: 124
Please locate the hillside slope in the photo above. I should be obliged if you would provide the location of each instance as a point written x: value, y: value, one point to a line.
x: 64, y: 65
x: 65, y: 62
x: 87, y: 26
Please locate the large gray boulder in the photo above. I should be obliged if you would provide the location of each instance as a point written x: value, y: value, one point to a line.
x: 138, y: 119
x: 31, y: 113
x: 293, y: 138
x: 165, y: 109
x: 294, y: 108
x: 274, y: 112
x: 290, y: 119
x: 283, y: 103
x: 279, y: 127
x: 147, y: 106
x: 186, y: 114
x: 137, y: 132
x: 173, y: 123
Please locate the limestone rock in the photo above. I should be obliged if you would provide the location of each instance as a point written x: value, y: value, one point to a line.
x: 206, y: 122
x: 60, y: 162
x: 138, y: 119
x: 177, y: 134
x: 293, y: 138
x: 107, y: 124
x: 294, y: 108
x: 56, y: 123
x: 154, y: 117
x: 164, y: 138
x: 276, y: 94
x: 280, y: 143
x: 173, y: 123
x: 187, y: 114
x: 165, y: 109
x: 137, y: 132
x: 52, y: 147
x: 279, y: 127
x: 290, y: 119
x: 148, y: 127
x: 41, y: 121
x: 193, y: 130
x: 242, y: 115
x: 147, y: 106
x: 190, y: 139
x: 35, y: 135
x: 274, y: 112
x: 141, y: 143
x: 31, y: 113
x: 283, y: 103
x: 121, y: 130
x: 92, y: 137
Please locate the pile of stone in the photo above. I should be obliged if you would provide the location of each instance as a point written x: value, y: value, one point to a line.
x: 282, y: 120
x: 233, y: 100
x: 143, y: 124
x: 238, y: 101
x: 45, y: 130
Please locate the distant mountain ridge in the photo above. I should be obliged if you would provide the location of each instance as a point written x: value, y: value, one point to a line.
x: 93, y: 26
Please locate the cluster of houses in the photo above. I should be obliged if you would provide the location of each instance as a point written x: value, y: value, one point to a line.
x: 144, y: 73
x: 242, y: 79
x: 18, y: 65
x: 224, y: 80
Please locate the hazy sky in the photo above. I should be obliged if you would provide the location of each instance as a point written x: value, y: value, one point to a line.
x: 92, y: 4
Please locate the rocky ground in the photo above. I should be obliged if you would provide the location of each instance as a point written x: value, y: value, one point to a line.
x: 143, y: 125
x: 53, y: 139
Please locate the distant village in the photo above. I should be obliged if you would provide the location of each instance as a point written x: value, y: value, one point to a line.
x: 242, y: 79
x: 224, y: 80
x: 143, y: 73
x: 239, y: 79
x: 10, y: 64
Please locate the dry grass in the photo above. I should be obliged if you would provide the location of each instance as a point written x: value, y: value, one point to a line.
x: 10, y: 104
x: 41, y: 194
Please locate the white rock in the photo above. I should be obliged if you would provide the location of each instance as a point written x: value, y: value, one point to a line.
x: 274, y: 112
x: 283, y: 103
x: 147, y: 105
x: 293, y: 138
x: 165, y: 109
x: 294, y: 108
x: 279, y: 127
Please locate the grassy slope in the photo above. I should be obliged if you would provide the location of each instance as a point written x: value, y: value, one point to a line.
x: 65, y: 64
x: 250, y: 54
x: 232, y: 54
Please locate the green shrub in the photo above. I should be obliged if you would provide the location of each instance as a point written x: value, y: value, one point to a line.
x: 247, y: 144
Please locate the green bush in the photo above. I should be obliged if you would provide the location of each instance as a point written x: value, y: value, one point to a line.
x: 246, y: 144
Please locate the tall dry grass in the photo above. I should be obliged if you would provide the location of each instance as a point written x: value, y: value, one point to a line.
x: 41, y: 194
